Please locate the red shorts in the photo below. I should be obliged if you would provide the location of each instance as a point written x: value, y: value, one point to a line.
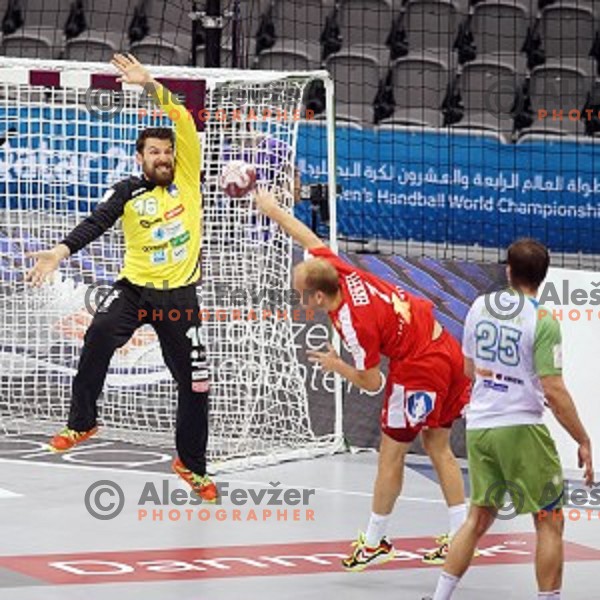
x: 425, y: 391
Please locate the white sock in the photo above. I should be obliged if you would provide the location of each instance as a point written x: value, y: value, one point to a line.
x: 555, y: 595
x: 457, y: 515
x: 376, y: 529
x: 445, y: 587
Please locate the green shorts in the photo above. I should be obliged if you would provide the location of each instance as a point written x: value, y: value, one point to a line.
x: 520, y: 460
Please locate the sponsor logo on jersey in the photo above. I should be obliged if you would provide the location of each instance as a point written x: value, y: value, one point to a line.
x: 199, y: 374
x: 490, y: 376
x: 154, y: 247
x: 419, y: 405
x: 484, y: 372
x: 146, y: 224
x: 179, y: 253
x: 174, y: 229
x: 494, y: 385
x: 159, y: 258
x: 180, y: 239
x: 159, y: 234
x: 173, y: 190
x: 174, y: 212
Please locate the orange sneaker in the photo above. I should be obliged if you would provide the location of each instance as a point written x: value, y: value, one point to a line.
x: 203, y: 485
x: 67, y: 438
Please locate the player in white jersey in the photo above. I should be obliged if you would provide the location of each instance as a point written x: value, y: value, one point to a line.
x: 512, y: 352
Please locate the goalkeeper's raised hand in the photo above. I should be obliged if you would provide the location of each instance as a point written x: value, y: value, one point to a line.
x: 46, y: 262
x: 132, y: 71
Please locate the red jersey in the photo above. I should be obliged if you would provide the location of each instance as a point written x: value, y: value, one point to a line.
x: 370, y: 319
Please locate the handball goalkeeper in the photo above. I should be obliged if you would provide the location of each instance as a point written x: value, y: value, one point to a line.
x: 161, y: 214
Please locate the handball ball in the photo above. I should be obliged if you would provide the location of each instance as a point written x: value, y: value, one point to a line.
x: 237, y: 178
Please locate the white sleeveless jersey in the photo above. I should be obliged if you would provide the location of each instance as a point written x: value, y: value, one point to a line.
x: 513, y: 342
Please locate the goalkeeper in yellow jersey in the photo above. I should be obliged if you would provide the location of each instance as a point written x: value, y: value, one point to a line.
x: 161, y: 214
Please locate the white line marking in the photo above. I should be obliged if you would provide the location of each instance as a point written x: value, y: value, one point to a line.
x: 241, y: 482
x: 6, y: 494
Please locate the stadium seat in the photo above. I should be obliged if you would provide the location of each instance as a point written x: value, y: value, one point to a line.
x: 300, y: 19
x: 42, y: 35
x: 431, y: 27
x: 419, y: 87
x: 105, y: 33
x: 558, y: 88
x: 568, y: 34
x: 488, y: 94
x: 157, y: 50
x: 286, y: 57
x: 461, y: 6
x: 365, y: 22
x: 303, y: 48
x: 500, y: 29
x: 357, y: 78
x: 377, y: 51
x: 170, y: 37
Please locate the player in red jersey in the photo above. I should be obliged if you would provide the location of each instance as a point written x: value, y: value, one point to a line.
x: 425, y: 390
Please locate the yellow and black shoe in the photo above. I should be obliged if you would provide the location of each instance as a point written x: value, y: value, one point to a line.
x: 438, y: 556
x: 363, y: 556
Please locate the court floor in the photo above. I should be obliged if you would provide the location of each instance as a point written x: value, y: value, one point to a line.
x: 271, y: 537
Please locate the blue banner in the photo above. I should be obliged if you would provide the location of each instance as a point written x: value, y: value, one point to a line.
x: 461, y: 189
x: 397, y: 185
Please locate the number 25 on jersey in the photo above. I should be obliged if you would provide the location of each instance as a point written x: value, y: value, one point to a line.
x: 498, y: 343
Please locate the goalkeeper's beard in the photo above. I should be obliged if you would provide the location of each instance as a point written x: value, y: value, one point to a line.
x: 158, y: 175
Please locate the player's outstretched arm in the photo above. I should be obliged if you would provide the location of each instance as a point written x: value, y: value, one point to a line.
x: 267, y: 204
x: 46, y: 263
x: 564, y: 410
x: 104, y: 216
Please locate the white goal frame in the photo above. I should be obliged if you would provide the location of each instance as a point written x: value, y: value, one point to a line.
x: 75, y: 78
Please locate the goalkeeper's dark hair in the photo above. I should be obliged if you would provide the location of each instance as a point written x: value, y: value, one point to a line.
x: 528, y: 260
x: 159, y: 133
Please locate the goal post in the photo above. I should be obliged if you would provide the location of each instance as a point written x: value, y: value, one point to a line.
x: 67, y: 132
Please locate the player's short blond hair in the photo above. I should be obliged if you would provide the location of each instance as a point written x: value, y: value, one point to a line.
x: 319, y: 276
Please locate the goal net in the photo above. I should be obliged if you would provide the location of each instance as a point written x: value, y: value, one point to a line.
x: 67, y: 132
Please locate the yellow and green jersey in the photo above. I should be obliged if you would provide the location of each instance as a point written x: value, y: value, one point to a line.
x: 162, y: 226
